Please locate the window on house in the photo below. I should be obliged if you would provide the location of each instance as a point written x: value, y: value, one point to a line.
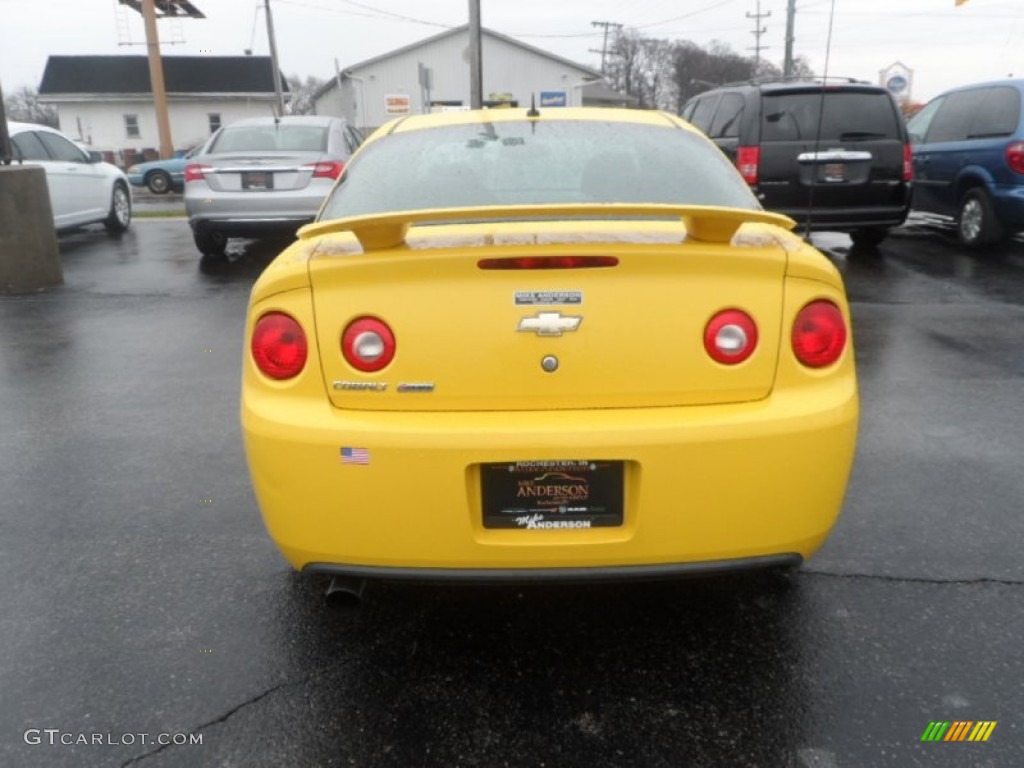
x: 131, y: 126
x: 214, y: 121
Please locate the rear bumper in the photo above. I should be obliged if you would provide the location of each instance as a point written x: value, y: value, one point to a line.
x: 557, y: 575
x: 707, y: 488
x: 243, y: 227
x: 845, y: 219
x: 1009, y: 205
x: 243, y: 214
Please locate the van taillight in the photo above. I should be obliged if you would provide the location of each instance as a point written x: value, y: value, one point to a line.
x: 747, y: 161
x: 1015, y: 156
x: 908, y: 163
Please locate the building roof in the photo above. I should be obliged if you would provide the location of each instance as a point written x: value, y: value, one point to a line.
x: 182, y: 74
x: 464, y: 28
x: 599, y: 92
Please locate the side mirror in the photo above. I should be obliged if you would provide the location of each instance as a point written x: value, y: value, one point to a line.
x: 95, y: 157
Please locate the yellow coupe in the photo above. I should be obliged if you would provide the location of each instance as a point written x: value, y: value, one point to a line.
x: 565, y: 344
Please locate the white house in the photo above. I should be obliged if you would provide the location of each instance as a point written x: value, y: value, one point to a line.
x: 107, y: 101
x: 433, y: 74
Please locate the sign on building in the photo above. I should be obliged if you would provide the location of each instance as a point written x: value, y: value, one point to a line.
x: 553, y: 99
x: 397, y: 104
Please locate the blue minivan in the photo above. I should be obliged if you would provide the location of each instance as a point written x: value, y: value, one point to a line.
x: 968, y: 154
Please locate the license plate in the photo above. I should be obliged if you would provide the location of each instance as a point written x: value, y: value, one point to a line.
x: 552, y: 495
x: 834, y: 172
x: 257, y: 180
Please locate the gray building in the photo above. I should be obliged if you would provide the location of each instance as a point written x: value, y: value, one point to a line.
x: 433, y: 75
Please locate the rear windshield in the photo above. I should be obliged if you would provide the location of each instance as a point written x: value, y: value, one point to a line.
x: 846, y: 116
x: 263, y: 138
x: 537, y: 162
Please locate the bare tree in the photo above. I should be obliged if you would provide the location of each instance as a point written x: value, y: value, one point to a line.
x: 642, y: 67
x: 697, y: 69
x: 802, y: 67
x: 24, y: 106
x: 302, y: 93
x: 666, y: 74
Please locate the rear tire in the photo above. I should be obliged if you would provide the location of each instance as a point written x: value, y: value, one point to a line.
x: 120, y: 215
x: 159, y: 183
x: 211, y: 243
x: 976, y: 222
x: 869, y: 237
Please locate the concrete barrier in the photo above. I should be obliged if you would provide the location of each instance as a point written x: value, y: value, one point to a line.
x: 29, y: 258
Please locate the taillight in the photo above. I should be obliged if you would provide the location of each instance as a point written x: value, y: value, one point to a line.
x: 908, y: 163
x: 325, y: 170
x: 730, y: 337
x: 368, y: 344
x: 819, y: 334
x: 278, y: 346
x: 747, y: 161
x: 549, y: 262
x: 195, y: 171
x: 1015, y: 156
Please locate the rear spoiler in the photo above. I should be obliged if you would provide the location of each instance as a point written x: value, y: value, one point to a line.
x: 712, y: 224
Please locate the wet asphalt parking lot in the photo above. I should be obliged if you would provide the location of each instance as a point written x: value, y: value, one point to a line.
x: 143, y: 601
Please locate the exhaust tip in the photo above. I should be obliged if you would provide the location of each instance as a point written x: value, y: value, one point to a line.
x: 345, y: 592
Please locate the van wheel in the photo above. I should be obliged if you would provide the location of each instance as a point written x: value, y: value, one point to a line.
x: 211, y: 242
x: 120, y: 215
x: 869, y: 237
x: 976, y: 222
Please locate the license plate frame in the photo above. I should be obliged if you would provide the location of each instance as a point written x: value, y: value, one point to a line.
x: 257, y: 180
x: 553, y: 495
x: 833, y: 173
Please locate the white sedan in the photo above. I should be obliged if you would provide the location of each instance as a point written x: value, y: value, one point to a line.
x: 83, y: 188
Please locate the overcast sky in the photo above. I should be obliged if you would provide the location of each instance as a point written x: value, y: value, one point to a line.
x: 943, y: 45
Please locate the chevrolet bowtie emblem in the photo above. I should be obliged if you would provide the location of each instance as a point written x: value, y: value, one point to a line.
x: 549, y: 324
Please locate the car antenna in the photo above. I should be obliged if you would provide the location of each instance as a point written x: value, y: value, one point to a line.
x: 821, y: 118
x: 532, y: 111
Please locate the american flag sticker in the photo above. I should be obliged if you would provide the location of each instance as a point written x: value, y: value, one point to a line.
x: 355, y: 455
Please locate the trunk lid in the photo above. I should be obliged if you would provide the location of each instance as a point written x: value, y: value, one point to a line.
x: 467, y: 338
x: 277, y: 171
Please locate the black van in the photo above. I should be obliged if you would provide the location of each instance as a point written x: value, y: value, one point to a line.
x: 834, y: 154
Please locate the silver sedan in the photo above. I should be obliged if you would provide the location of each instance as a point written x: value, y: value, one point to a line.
x: 264, y: 176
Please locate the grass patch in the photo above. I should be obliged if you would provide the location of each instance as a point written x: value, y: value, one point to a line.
x: 137, y: 214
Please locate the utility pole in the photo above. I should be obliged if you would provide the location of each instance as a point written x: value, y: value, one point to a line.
x: 156, y: 79
x: 758, y: 31
x: 167, y: 8
x: 476, y: 64
x: 604, y: 46
x: 278, y: 91
x: 787, y: 64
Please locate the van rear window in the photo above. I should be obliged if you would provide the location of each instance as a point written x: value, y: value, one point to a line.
x: 846, y: 116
